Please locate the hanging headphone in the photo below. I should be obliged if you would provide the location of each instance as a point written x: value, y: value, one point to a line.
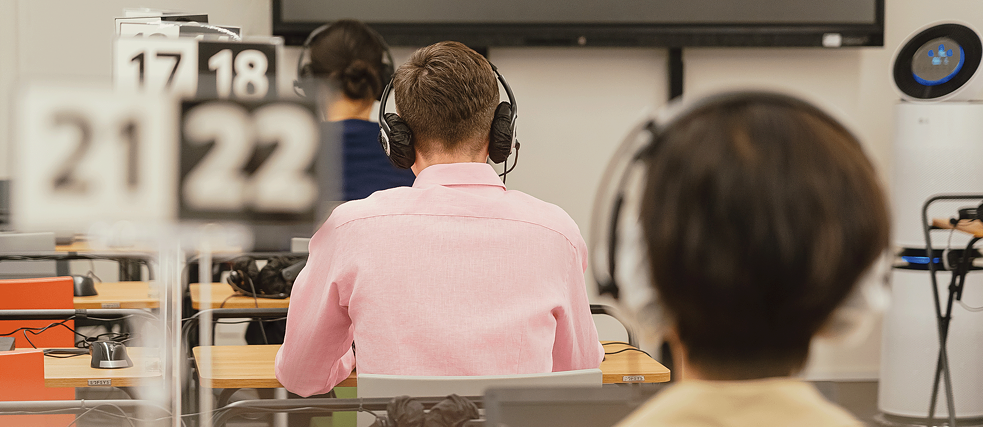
x: 304, y: 84
x: 619, y: 253
x: 396, y: 136
x: 275, y: 280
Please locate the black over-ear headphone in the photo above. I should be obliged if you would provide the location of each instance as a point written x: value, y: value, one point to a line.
x: 397, y: 138
x: 275, y: 280
x: 304, y: 84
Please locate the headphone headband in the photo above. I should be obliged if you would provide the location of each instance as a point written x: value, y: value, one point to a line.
x: 387, y: 57
x: 640, y: 142
x: 618, y: 248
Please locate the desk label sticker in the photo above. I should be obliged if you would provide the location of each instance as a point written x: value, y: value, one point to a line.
x: 110, y: 305
x: 633, y: 378
x: 85, y: 154
x: 101, y: 383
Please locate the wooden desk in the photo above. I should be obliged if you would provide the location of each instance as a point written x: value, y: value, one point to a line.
x: 251, y: 366
x: 243, y: 366
x: 974, y: 227
x: 119, y: 295
x: 631, y: 366
x: 221, y: 291
x: 77, y: 372
x: 75, y: 246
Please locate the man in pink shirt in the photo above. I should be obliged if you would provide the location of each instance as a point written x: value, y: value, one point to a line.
x: 453, y: 276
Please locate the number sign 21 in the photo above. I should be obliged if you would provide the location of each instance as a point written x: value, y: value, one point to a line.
x: 86, y: 153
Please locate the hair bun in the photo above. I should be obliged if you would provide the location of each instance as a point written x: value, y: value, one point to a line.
x: 359, y: 80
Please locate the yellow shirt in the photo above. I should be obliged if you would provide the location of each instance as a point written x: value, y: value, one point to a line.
x: 759, y: 403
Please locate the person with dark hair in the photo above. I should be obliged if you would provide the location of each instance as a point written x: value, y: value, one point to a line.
x: 348, y: 73
x: 455, y: 275
x: 760, y: 215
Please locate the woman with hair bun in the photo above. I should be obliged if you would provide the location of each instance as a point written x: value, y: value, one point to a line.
x: 349, y: 73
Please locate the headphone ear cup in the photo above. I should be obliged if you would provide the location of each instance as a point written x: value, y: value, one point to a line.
x: 500, y: 140
x: 246, y: 265
x: 304, y: 84
x: 271, y: 282
x: 400, y: 142
x: 305, y: 72
x: 244, y: 272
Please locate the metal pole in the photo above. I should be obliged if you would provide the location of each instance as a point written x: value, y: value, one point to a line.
x: 50, y: 314
x: 942, y: 322
x: 319, y: 405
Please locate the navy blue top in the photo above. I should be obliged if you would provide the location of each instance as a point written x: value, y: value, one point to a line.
x: 366, y: 167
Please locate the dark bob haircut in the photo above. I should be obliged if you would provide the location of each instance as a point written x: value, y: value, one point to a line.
x: 760, y: 213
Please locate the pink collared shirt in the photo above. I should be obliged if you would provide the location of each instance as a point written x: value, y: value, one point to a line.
x: 453, y: 276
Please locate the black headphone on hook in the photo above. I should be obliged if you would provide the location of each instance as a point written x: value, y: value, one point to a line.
x: 396, y: 137
x: 275, y: 280
x: 304, y: 84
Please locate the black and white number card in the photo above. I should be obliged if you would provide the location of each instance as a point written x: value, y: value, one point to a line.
x: 86, y: 153
x: 248, y: 161
x: 242, y: 70
x: 148, y: 29
x: 189, y: 67
x: 156, y: 65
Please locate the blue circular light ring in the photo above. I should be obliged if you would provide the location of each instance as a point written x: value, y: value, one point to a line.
x: 959, y: 66
x: 965, y: 37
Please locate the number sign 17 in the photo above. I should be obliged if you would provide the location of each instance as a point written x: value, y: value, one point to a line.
x: 156, y: 65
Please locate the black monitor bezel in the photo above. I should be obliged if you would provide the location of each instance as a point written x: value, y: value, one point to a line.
x: 610, y: 35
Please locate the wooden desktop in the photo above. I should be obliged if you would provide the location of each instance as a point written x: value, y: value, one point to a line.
x: 252, y: 367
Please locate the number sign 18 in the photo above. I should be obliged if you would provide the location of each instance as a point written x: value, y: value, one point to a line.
x: 86, y: 154
x: 242, y: 70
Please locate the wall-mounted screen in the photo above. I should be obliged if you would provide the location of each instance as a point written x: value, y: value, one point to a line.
x: 669, y: 23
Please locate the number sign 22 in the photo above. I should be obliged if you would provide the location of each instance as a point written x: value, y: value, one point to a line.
x: 237, y: 70
x: 248, y: 160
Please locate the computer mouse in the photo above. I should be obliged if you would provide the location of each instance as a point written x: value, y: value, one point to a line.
x: 84, y: 286
x: 109, y: 355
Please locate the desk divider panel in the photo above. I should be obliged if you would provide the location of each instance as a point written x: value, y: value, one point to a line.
x: 22, y: 379
x: 35, y: 294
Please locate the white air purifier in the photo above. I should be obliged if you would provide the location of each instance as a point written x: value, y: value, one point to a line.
x: 938, y: 148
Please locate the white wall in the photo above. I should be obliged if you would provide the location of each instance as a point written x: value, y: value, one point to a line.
x: 576, y: 104
x: 74, y: 38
